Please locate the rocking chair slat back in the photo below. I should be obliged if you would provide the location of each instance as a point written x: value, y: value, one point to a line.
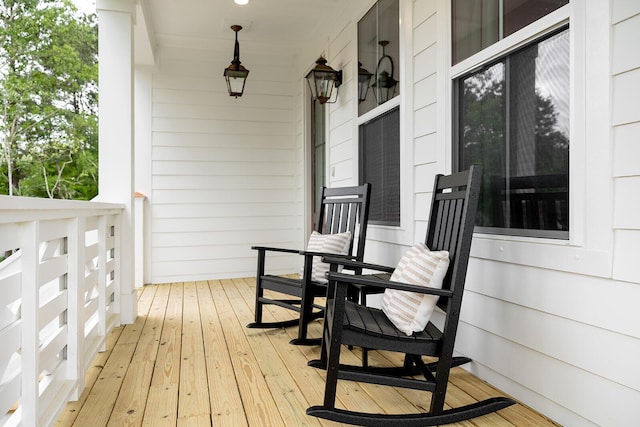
x: 341, y: 210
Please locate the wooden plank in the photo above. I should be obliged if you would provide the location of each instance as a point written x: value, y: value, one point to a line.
x: 224, y: 396
x: 193, y: 399
x: 292, y: 406
x: 162, y: 401
x: 307, y: 379
x: 72, y: 409
x: 351, y: 395
x: 256, y: 397
x: 99, y: 404
x: 130, y: 405
x: 518, y: 414
x: 202, y: 420
x: 162, y: 406
x: 102, y: 397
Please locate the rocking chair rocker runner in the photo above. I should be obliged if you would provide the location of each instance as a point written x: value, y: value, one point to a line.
x: 450, y: 228
x: 341, y: 213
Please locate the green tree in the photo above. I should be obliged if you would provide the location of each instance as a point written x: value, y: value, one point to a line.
x: 48, y: 100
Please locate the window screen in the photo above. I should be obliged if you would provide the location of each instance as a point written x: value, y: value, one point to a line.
x: 379, y: 148
x: 513, y: 118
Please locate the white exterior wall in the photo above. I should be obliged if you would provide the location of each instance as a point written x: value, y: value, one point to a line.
x: 225, y: 171
x: 625, y: 70
x: 554, y: 323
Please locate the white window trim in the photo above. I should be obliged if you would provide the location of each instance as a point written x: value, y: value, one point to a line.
x: 593, y: 257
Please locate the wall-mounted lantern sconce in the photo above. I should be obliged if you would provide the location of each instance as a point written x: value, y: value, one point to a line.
x: 322, y: 80
x: 235, y: 74
x: 364, y: 80
x: 385, y: 86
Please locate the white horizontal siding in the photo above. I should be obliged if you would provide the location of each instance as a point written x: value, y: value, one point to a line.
x: 627, y: 250
x: 425, y: 91
x: 341, y: 121
x: 174, y: 167
x: 624, y: 9
x: 275, y: 237
x: 625, y: 53
x: 593, y: 400
x: 626, y: 149
x: 224, y: 170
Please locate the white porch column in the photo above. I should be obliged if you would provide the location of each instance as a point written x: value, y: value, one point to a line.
x: 116, y: 132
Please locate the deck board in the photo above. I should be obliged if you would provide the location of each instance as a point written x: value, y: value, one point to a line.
x: 189, y: 360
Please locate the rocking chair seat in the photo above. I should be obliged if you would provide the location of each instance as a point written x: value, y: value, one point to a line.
x: 291, y: 286
x: 371, y: 323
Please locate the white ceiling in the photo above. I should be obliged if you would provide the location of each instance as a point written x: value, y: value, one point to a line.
x: 286, y: 22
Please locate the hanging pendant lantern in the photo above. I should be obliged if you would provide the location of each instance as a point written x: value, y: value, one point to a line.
x: 235, y: 74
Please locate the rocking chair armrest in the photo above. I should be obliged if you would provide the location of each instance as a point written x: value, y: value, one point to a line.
x: 371, y: 280
x: 354, y: 264
x: 324, y: 254
x: 271, y: 249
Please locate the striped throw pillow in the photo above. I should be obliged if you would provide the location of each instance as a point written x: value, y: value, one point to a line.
x: 410, y: 311
x: 326, y: 243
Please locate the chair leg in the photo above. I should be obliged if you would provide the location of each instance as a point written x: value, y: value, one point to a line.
x: 331, y: 384
x: 365, y: 351
x: 259, y: 304
x: 259, y: 290
x: 306, y: 316
x: 331, y: 345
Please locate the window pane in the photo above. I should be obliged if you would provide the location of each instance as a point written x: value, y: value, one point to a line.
x: 380, y: 166
x: 379, y: 52
x: 514, y: 120
x: 476, y: 25
x: 482, y: 132
x: 368, y: 53
x: 519, y: 14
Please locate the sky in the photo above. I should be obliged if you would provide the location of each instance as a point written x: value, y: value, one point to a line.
x: 86, y: 6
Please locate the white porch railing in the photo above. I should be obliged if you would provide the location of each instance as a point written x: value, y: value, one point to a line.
x: 59, y: 298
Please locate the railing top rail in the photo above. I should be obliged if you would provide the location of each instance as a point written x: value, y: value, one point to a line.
x: 21, y: 209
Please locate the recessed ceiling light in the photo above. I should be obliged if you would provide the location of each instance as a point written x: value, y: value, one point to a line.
x: 241, y: 2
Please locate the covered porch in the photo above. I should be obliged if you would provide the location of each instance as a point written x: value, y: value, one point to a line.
x: 87, y: 283
x: 189, y: 360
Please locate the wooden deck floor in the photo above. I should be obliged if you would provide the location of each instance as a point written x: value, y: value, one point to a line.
x: 188, y: 360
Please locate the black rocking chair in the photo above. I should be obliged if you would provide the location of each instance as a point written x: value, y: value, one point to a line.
x: 450, y: 228
x: 339, y: 210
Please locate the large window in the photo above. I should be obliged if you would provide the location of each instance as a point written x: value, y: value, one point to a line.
x: 379, y: 111
x: 513, y: 118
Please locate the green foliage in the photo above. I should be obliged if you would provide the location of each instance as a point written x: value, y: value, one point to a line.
x: 48, y: 100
